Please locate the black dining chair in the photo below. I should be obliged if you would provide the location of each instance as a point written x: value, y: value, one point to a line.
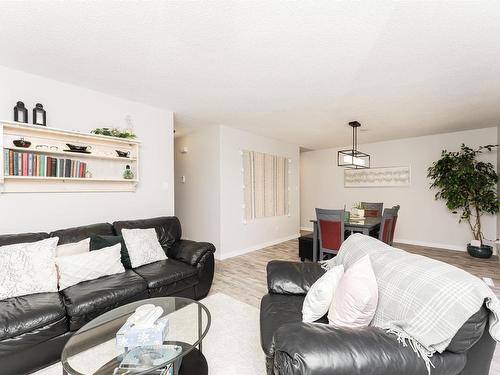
x: 330, y: 231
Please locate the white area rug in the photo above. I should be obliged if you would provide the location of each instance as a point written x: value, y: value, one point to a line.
x: 232, y: 345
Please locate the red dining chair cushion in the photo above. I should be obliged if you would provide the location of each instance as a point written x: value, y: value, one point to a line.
x: 372, y: 213
x: 393, y: 229
x: 330, y: 234
x: 387, y: 231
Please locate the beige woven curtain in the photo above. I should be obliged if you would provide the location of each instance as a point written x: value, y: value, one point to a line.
x: 265, y: 185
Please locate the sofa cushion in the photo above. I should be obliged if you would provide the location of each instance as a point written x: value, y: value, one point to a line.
x: 28, y: 268
x: 76, y: 234
x: 168, y: 228
x: 78, y: 268
x: 89, y: 299
x: 31, y: 319
x: 27, y: 313
x: 10, y: 239
x: 168, y: 276
x: 98, y: 242
x: 143, y: 246
x: 276, y: 310
x: 470, y: 332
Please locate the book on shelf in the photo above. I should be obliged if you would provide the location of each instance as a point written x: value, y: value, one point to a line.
x: 6, y: 165
x: 28, y: 164
x: 25, y: 164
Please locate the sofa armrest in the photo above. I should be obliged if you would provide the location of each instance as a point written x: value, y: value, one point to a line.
x: 321, y: 349
x: 190, y: 252
x: 292, y: 277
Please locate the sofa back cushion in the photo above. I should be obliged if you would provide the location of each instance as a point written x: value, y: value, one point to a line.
x: 11, y: 239
x: 168, y: 228
x: 76, y: 234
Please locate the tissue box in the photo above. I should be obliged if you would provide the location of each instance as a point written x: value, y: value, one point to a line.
x: 130, y: 336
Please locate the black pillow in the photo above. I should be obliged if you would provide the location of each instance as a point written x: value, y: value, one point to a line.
x: 100, y: 242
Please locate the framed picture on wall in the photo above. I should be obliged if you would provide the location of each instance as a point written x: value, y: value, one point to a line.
x: 377, y: 177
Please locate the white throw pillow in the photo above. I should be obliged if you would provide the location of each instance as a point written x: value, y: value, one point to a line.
x: 74, y: 248
x: 320, y: 296
x: 143, y: 246
x: 28, y: 268
x: 356, y: 297
x: 74, y: 269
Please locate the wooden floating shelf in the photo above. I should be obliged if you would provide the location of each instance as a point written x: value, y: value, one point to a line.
x: 45, y: 130
x: 75, y: 179
x: 69, y: 155
x: 101, y: 162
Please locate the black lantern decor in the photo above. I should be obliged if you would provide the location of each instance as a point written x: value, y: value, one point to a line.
x: 353, y: 158
x: 20, y: 113
x: 39, y: 115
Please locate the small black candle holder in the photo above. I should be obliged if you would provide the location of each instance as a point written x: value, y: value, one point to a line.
x: 39, y: 115
x: 20, y: 113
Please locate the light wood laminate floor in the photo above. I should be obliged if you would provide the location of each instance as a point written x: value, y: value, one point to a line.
x: 244, y: 277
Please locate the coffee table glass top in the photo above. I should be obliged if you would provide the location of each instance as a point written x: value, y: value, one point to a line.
x: 93, y: 350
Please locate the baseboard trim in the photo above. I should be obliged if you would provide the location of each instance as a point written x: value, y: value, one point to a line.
x: 419, y: 243
x: 257, y: 247
x: 431, y: 244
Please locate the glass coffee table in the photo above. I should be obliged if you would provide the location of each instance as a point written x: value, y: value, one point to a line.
x: 92, y: 350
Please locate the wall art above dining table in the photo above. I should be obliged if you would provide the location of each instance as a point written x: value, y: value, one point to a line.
x: 377, y: 177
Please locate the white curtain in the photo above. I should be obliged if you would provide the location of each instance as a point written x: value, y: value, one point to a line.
x: 265, y: 185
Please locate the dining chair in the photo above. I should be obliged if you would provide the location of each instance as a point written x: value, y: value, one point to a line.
x: 330, y: 231
x: 386, y: 226
x: 394, y: 220
x: 372, y: 209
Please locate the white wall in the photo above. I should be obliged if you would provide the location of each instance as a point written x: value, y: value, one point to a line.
x: 210, y: 202
x: 236, y: 236
x: 422, y: 220
x: 197, y: 200
x: 75, y: 108
x: 495, y: 248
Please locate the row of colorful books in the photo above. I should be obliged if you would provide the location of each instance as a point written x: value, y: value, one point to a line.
x: 31, y: 164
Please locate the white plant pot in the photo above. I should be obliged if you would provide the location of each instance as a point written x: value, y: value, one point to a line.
x: 475, y: 243
x: 361, y: 213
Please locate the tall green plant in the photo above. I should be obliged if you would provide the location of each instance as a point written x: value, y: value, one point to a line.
x: 467, y: 185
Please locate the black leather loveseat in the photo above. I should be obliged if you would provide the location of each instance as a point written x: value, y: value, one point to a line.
x: 297, y: 348
x: 34, y: 328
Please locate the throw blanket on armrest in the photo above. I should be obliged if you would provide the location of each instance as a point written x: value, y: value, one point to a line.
x: 423, y: 301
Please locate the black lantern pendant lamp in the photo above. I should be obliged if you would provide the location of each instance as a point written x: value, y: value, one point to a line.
x: 353, y: 158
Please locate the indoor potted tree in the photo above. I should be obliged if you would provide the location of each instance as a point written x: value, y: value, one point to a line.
x: 468, y: 186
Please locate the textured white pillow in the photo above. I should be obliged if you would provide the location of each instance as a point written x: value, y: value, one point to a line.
x: 319, y: 297
x: 28, y: 268
x: 74, y: 269
x: 356, y: 297
x: 74, y: 248
x: 143, y: 246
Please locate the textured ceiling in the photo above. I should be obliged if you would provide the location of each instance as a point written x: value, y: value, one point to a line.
x: 296, y: 71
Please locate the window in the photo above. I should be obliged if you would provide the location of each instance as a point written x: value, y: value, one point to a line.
x: 265, y: 185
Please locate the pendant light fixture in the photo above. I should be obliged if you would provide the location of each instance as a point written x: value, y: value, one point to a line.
x: 353, y: 158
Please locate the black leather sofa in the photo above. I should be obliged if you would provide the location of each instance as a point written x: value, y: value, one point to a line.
x: 34, y: 328
x: 293, y: 347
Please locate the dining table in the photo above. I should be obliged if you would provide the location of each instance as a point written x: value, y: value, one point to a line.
x: 360, y: 225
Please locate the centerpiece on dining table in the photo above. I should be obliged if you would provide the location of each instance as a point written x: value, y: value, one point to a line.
x: 357, y: 212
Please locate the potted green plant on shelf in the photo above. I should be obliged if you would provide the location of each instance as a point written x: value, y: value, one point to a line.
x: 115, y: 132
x: 468, y: 186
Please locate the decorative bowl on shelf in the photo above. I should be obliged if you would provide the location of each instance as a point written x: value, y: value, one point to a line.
x: 76, y: 148
x: 123, y: 154
x: 21, y: 143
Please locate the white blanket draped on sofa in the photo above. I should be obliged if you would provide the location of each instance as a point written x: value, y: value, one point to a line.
x: 421, y: 300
